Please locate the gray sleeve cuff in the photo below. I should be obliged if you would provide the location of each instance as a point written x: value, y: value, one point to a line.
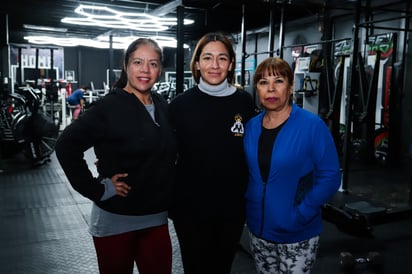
x: 109, y: 190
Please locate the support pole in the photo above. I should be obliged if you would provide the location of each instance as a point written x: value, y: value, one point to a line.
x: 180, y: 50
x: 271, y: 31
x: 281, y: 32
x: 111, y: 74
x: 243, y: 38
x: 63, y: 100
x: 349, y: 95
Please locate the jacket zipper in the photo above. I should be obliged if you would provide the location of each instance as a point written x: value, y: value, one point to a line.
x: 263, y: 209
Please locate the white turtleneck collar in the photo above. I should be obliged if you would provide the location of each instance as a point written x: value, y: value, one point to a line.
x: 221, y: 90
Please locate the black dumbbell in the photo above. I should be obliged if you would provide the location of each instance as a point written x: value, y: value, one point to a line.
x: 373, y: 260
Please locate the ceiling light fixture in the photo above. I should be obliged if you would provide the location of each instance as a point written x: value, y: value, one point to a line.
x: 44, y: 28
x: 102, y: 42
x: 109, y: 18
x: 163, y: 41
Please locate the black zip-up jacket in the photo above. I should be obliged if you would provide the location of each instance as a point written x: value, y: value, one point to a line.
x: 125, y: 140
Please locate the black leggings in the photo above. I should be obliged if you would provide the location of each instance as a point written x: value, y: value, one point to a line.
x: 208, y: 247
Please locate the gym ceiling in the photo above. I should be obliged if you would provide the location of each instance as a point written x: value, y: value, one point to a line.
x: 209, y: 15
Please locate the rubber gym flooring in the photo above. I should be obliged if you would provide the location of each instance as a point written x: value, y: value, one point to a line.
x: 44, y: 225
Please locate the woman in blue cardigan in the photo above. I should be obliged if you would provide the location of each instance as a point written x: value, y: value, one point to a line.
x: 293, y: 170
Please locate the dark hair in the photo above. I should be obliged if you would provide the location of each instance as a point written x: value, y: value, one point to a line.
x: 274, y: 66
x: 213, y: 37
x: 122, y: 81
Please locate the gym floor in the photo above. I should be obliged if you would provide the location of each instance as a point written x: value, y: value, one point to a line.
x: 44, y: 224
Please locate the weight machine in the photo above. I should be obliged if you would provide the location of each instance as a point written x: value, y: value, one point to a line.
x: 358, y: 214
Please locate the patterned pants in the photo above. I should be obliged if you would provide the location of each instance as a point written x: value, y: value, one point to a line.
x: 274, y: 258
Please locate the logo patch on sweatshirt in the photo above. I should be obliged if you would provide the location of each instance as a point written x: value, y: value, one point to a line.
x: 237, y: 127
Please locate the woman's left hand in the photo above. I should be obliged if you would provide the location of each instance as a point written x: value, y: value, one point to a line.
x: 122, y: 189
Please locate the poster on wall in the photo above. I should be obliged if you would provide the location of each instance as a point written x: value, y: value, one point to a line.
x: 32, y: 64
x: 69, y: 75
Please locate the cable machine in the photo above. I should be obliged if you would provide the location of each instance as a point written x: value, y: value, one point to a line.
x: 352, y: 213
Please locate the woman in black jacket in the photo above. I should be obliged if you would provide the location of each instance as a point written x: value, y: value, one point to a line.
x: 136, y: 149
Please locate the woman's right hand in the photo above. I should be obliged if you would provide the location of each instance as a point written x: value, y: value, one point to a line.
x: 122, y: 189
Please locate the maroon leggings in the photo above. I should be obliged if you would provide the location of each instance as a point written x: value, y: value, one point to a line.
x: 150, y: 248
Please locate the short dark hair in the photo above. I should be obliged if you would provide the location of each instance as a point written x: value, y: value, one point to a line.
x: 274, y: 66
